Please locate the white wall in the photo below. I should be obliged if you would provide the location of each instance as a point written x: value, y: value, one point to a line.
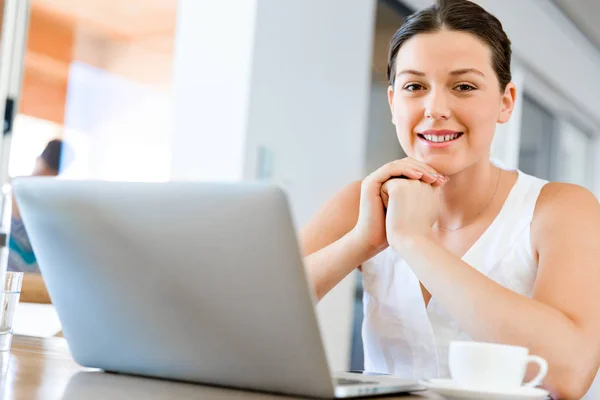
x: 308, y: 106
x: 309, y: 96
x: 211, y: 83
x: 297, y: 87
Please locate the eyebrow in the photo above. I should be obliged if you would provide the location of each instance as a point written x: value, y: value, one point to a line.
x: 457, y: 72
x: 410, y: 72
x: 467, y: 71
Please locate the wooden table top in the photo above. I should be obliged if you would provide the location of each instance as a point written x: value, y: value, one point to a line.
x: 38, y: 368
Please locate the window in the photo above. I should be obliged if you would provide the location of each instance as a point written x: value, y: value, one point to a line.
x: 574, y: 163
x: 538, y: 140
x: 555, y: 148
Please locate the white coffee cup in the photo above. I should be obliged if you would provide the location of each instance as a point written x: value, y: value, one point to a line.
x: 492, y: 366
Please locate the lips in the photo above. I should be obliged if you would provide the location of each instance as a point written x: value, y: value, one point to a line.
x: 440, y: 136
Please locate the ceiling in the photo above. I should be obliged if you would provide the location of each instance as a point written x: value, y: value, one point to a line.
x: 134, y: 18
x: 585, y: 14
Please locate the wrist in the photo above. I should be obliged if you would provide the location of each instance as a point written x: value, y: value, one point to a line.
x: 361, y: 247
x: 407, y: 243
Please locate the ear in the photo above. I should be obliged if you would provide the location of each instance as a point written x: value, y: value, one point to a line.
x: 508, y: 103
x: 391, y: 102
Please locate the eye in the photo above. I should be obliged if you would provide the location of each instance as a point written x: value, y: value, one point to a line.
x: 413, y: 87
x: 465, y: 87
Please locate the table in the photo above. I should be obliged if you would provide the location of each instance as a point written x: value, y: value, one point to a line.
x: 42, y: 368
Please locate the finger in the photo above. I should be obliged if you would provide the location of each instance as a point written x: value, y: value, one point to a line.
x: 430, y: 175
x: 384, y: 192
x: 397, y: 168
x: 384, y: 197
x: 410, y: 173
x: 442, y: 181
x: 421, y: 166
x: 428, y: 178
x: 385, y: 187
x: 395, y: 182
x: 407, y: 167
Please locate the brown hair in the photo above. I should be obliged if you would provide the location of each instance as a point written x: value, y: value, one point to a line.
x: 456, y: 15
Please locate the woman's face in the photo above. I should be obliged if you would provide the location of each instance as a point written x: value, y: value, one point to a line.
x: 446, y: 100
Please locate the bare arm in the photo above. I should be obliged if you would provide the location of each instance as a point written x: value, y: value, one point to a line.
x: 562, y: 321
x: 331, y: 251
x: 336, y: 218
x: 350, y: 229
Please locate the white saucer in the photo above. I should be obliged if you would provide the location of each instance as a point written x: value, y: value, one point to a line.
x: 450, y: 390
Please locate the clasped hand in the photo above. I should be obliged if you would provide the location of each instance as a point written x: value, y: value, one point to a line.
x: 412, y: 207
x: 398, y: 201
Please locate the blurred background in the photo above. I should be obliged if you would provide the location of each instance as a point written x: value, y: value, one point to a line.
x: 293, y: 92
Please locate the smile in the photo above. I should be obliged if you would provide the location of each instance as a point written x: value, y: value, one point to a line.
x: 439, y: 138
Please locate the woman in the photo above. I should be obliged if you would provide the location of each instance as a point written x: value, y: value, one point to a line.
x: 462, y: 248
x: 55, y: 157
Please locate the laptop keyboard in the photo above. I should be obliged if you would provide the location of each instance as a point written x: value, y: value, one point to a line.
x: 347, y: 382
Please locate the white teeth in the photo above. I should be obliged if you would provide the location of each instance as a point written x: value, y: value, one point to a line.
x: 439, y: 139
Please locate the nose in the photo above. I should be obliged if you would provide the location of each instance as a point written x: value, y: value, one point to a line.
x: 437, y: 105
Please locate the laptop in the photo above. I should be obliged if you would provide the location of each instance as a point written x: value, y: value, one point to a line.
x: 196, y: 282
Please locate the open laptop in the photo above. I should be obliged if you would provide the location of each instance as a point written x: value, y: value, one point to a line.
x: 199, y: 282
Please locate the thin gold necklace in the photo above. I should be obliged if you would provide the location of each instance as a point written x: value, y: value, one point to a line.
x: 480, y: 212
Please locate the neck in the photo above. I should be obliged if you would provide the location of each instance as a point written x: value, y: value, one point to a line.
x: 467, y: 194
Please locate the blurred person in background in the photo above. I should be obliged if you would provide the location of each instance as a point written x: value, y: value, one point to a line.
x: 21, y: 257
x: 451, y: 245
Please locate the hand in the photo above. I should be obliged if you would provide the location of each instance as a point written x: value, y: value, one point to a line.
x: 370, y: 230
x: 413, y: 207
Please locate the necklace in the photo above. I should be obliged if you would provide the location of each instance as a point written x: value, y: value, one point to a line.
x: 480, y: 212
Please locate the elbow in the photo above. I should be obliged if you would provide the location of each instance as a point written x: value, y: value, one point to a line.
x: 569, y: 390
x: 318, y: 296
x: 573, y: 383
x: 317, y: 289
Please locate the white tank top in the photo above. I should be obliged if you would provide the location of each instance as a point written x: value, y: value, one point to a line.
x: 403, y: 337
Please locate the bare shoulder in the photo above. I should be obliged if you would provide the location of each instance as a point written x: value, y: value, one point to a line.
x: 332, y: 221
x: 565, y: 209
x: 557, y: 196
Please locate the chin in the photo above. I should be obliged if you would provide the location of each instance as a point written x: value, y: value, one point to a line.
x: 444, y: 165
